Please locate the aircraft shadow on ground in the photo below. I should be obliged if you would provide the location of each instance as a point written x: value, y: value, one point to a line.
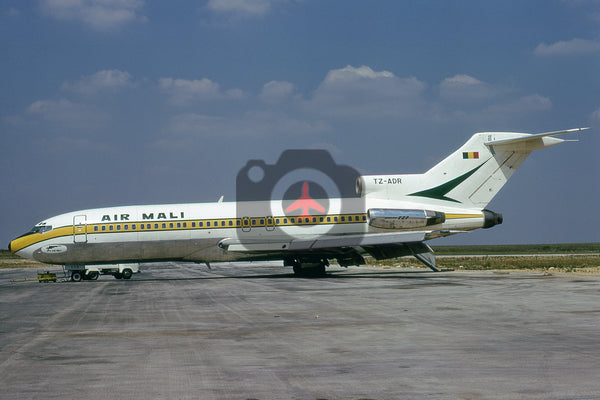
x: 336, y: 275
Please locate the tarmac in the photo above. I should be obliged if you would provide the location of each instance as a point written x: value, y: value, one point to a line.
x: 253, y: 331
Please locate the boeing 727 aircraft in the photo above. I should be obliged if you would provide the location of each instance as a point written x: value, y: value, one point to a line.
x: 390, y: 216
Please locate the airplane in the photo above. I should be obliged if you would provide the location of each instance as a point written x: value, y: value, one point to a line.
x: 390, y: 216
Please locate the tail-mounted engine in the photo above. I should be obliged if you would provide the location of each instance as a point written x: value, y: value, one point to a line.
x: 393, y: 218
x: 491, y: 218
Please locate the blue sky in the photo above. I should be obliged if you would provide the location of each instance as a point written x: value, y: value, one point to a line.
x: 121, y: 102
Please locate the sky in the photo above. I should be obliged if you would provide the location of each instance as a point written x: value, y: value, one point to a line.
x: 123, y: 102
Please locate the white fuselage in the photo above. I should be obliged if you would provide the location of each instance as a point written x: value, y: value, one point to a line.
x: 192, y: 232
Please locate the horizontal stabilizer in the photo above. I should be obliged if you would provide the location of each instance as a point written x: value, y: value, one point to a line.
x: 528, y: 137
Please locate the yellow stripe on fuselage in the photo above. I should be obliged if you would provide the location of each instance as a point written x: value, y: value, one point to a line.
x: 199, y: 224
x: 460, y: 216
x: 26, y: 241
x: 179, y: 225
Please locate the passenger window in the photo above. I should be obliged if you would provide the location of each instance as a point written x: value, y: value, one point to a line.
x: 230, y: 223
x: 222, y: 223
x: 343, y: 219
x: 111, y: 228
x: 155, y: 226
x: 253, y: 222
x: 238, y: 222
x: 171, y: 225
x: 164, y: 225
x: 207, y: 223
x: 262, y: 222
x: 335, y: 219
x: 320, y: 219
x: 276, y: 221
x: 200, y: 224
x: 328, y: 219
x: 103, y: 227
x: 126, y: 227
x: 95, y: 229
x: 193, y: 224
x: 292, y: 220
x: 133, y: 226
x: 118, y: 227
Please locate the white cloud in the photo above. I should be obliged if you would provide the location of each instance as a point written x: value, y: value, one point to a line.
x: 465, y: 98
x: 363, y: 92
x: 106, y: 80
x: 465, y: 89
x: 351, y: 74
x: 276, y: 92
x: 567, y: 48
x: 102, y: 15
x: 67, y: 113
x: 240, y: 8
x: 183, y: 91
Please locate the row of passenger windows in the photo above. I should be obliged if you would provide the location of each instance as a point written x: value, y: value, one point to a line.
x: 246, y: 222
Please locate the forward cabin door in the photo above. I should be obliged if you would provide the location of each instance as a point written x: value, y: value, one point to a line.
x: 80, y: 229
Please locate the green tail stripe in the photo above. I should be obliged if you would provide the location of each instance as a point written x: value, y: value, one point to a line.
x: 439, y: 192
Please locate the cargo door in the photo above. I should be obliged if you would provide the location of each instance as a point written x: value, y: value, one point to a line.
x: 80, y: 229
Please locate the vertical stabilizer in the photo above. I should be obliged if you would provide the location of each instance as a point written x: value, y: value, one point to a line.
x: 476, y: 172
x: 471, y: 176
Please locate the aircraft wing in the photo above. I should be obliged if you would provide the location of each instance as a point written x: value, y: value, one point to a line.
x: 329, y: 242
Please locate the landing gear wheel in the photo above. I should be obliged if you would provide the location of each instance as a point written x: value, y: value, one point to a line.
x: 76, y: 276
x: 126, y: 274
x: 314, y: 271
x: 93, y: 275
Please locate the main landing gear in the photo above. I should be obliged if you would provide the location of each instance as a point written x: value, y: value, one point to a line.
x: 307, y: 268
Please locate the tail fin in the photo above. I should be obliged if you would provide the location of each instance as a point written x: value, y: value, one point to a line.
x: 472, y: 175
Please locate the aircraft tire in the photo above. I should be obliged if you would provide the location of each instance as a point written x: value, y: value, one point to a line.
x: 309, y: 272
x: 126, y: 274
x: 76, y: 276
x: 93, y: 275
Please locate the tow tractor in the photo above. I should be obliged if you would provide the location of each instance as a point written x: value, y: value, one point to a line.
x: 92, y: 272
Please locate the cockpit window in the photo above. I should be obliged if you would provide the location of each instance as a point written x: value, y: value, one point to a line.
x: 40, y: 229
